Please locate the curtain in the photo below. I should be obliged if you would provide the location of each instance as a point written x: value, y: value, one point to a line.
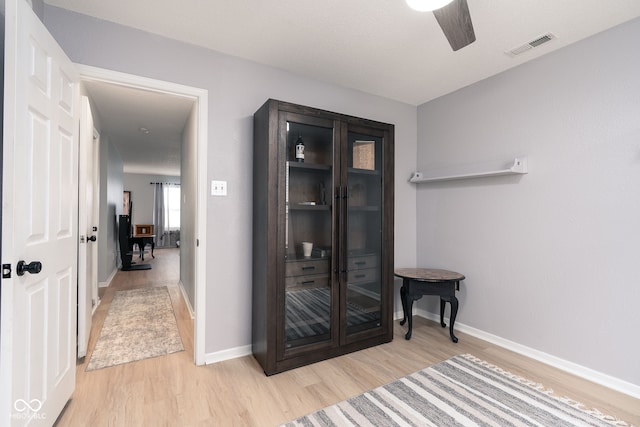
x: 158, y: 212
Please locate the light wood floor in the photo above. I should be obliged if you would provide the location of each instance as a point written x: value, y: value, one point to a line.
x: 172, y: 391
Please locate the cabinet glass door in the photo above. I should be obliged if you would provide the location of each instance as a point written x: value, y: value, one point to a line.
x: 363, y: 232
x: 308, y: 232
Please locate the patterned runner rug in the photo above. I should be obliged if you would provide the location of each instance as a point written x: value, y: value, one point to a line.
x: 461, y: 391
x: 140, y: 324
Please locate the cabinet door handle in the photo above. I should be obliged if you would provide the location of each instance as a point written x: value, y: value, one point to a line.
x: 345, y: 212
x: 361, y: 262
x: 338, y: 196
x: 360, y: 276
x: 309, y: 267
x: 309, y: 282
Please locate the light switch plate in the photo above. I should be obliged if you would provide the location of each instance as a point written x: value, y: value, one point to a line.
x: 218, y: 188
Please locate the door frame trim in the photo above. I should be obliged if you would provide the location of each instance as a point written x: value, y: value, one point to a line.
x: 200, y: 97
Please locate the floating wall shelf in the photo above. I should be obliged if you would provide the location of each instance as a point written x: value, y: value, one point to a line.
x: 519, y: 167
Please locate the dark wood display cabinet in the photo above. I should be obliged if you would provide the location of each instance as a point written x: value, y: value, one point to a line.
x: 323, y: 235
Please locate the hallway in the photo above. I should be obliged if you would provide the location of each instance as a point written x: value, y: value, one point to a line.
x: 112, y: 395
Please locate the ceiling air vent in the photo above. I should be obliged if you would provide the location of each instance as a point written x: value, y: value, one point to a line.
x: 531, y: 44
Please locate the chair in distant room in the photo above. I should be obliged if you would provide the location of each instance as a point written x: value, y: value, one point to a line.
x: 143, y: 236
x: 126, y: 241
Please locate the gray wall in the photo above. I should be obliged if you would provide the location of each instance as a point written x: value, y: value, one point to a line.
x: 38, y: 7
x: 552, y: 258
x: 236, y: 89
x: 188, y: 208
x: 111, y: 188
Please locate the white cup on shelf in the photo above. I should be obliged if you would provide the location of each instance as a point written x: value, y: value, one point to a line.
x: 307, y: 247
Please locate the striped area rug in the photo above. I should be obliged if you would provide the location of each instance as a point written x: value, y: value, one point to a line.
x: 461, y: 391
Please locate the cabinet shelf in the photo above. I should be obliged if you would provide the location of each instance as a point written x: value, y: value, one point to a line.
x: 363, y: 171
x: 364, y: 208
x: 519, y: 167
x: 303, y: 207
x: 311, y: 258
x: 308, y: 166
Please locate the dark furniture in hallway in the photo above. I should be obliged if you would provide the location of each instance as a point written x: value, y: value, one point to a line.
x: 142, y: 241
x: 125, y: 240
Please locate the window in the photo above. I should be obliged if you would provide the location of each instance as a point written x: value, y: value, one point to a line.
x: 171, y: 207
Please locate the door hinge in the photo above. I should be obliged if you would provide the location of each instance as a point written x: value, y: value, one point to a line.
x: 6, y: 271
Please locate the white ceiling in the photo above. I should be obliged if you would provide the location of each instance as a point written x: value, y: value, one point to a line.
x: 125, y: 113
x: 377, y: 46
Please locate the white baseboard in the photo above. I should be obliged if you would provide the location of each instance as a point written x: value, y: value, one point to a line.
x: 597, y: 377
x: 95, y: 307
x: 192, y: 312
x: 108, y: 281
x: 232, y: 353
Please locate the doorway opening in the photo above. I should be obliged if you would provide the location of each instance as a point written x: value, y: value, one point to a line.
x: 172, y: 119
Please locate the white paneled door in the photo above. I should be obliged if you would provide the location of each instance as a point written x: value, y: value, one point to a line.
x: 88, y: 226
x: 39, y: 223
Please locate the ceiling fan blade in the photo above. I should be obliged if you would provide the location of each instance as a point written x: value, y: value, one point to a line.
x: 455, y: 21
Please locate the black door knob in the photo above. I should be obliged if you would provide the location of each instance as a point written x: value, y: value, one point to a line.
x: 91, y: 238
x: 33, y: 267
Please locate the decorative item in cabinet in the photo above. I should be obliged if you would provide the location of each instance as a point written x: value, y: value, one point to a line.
x: 364, y: 155
x: 314, y: 149
x: 299, y: 149
x: 305, y: 183
x: 323, y: 252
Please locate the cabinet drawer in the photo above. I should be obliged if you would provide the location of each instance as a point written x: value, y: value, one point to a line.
x: 307, y: 281
x: 360, y: 262
x: 306, y: 267
x: 362, y: 276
